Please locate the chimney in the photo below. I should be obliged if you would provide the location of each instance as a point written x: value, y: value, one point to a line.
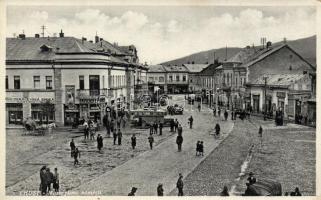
x: 22, y: 36
x: 96, y: 39
x: 37, y: 35
x: 61, y: 34
x: 268, y: 45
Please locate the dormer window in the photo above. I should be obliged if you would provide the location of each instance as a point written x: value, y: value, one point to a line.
x: 45, y: 48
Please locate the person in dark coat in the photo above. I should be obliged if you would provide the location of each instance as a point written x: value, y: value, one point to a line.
x: 179, y: 129
x: 99, y: 142
x: 133, y: 141
x: 160, y: 190
x: 76, y: 155
x: 251, y: 179
x: 43, y: 187
x: 201, y: 148
x: 190, y: 121
x: 172, y: 124
x: 151, y: 129
x: 48, y: 180
x: 56, y: 180
x: 175, y: 125
x: 180, y: 185
x: 106, y: 124
x: 155, y: 127
x: 72, y: 147
x: 161, y: 128
x: 179, y: 142
x: 132, y: 193
x: 214, y: 112
x: 115, y: 136
x: 219, y: 112
x: 198, y: 148
x: 225, y: 193
x: 225, y: 115
x: 119, y: 136
x: 151, y: 141
x: 86, y: 130
x: 296, y: 192
x: 217, y: 129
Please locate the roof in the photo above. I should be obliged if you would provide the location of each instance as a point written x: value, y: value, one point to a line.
x: 242, y: 56
x: 156, y: 68
x: 195, y: 68
x: 278, y: 79
x: 108, y: 47
x: 175, y: 68
x: 210, y: 70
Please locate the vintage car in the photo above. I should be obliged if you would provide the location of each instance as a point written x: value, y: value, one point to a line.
x: 264, y: 187
x: 143, y: 118
x: 175, y: 110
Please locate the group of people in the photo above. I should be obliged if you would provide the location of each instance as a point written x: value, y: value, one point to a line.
x: 47, y: 178
x: 89, y: 129
x: 200, y: 148
x: 173, y: 125
x: 74, y: 152
x: 154, y: 128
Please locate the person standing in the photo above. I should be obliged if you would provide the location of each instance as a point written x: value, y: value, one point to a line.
x: 99, y: 142
x: 151, y: 129
x: 115, y: 136
x: 76, y: 155
x: 180, y: 185
x: 133, y: 140
x: 198, y: 148
x: 56, y: 180
x: 119, y: 136
x: 43, y: 186
x: 251, y: 179
x: 201, y: 148
x: 190, y: 121
x: 172, y: 124
x: 261, y: 135
x: 160, y: 190
x: 219, y: 112
x: 217, y: 129
x: 199, y: 107
x: 72, y: 147
x: 296, y: 192
x: 214, y: 112
x: 151, y: 141
x: 225, y: 193
x: 180, y: 129
x: 49, y: 179
x: 86, y: 130
x: 155, y: 127
x: 160, y: 128
x: 179, y: 142
x: 175, y: 125
x: 225, y: 115
x: 106, y: 124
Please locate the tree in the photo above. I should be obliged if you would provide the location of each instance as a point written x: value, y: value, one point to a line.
x: 47, y: 109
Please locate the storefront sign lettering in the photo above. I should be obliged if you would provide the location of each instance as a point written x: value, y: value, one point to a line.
x: 28, y: 100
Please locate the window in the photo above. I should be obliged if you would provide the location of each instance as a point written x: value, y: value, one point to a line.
x: 184, y: 78
x: 150, y: 79
x: 36, y: 82
x: 48, y: 82
x: 177, y: 78
x: 170, y: 78
x: 161, y: 79
x: 81, y: 82
x: 7, y: 82
x: 16, y: 82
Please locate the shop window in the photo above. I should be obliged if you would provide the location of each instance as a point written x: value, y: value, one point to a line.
x: 16, y: 82
x: 49, y: 82
x: 7, y: 82
x: 36, y: 82
x: 81, y: 82
x: 184, y: 78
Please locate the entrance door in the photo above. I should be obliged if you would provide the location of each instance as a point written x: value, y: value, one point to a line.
x: 94, y: 86
x: 256, y: 103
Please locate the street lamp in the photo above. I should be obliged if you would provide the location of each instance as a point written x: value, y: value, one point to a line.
x: 265, y: 106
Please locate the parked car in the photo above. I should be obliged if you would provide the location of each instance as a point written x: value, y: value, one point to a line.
x: 264, y: 187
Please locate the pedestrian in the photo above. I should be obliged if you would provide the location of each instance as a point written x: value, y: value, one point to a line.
x: 133, y: 139
x: 217, y: 130
x: 151, y: 129
x: 176, y: 125
x: 219, y: 112
x: 225, y: 115
x: 72, y: 147
x: 86, y: 130
x: 43, y: 186
x: 179, y: 129
x: 160, y: 190
x: 172, y: 124
x: 201, y: 148
x: 199, y: 107
x: 132, y: 192
x: 251, y: 179
x: 296, y: 192
x: 180, y: 185
x: 179, y: 142
x: 190, y: 121
x: 232, y: 114
x: 214, y: 112
x: 151, y: 141
x: 119, y: 136
x: 115, y: 136
x: 155, y: 127
x: 56, y: 180
x: 161, y: 128
x: 49, y: 179
x: 76, y: 155
x: 92, y: 131
x: 198, y: 148
x: 99, y: 142
x: 261, y: 135
x: 225, y: 193
x: 112, y: 126
x: 106, y: 124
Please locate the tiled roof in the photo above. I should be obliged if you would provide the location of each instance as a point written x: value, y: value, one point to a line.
x: 156, y: 68
x: 278, y: 79
x: 175, y: 68
x: 195, y: 68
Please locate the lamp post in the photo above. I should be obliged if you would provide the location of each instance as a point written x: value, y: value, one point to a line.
x: 265, y: 108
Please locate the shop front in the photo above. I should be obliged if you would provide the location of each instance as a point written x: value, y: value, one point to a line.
x: 14, y: 113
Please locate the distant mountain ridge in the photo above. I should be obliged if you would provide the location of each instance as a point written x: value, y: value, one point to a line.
x: 306, y: 47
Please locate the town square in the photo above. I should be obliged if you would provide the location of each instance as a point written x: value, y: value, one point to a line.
x: 144, y: 101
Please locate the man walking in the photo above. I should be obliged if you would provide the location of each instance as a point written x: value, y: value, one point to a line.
x: 72, y: 147
x: 161, y: 128
x: 133, y: 139
x: 225, y: 115
x: 99, y: 142
x: 160, y: 190
x: 76, y: 155
x: 175, y: 125
x: 115, y: 136
x: 179, y: 142
x: 155, y: 127
x: 151, y: 141
x: 180, y: 185
x: 217, y: 129
x: 119, y: 136
x: 190, y: 121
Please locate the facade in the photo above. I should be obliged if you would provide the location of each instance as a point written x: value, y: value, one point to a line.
x: 71, y: 73
x: 194, y: 70
x: 286, y: 92
x: 157, y: 77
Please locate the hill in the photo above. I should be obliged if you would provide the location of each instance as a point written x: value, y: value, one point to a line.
x: 306, y: 47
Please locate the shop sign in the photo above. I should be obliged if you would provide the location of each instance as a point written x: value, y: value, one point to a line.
x: 28, y: 100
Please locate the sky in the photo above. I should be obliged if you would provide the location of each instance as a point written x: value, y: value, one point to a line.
x: 163, y: 33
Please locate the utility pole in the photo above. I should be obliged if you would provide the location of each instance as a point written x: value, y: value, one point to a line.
x: 265, y: 109
x: 43, y: 27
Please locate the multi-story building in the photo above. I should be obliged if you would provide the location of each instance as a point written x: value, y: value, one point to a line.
x: 194, y: 78
x: 157, y: 77
x: 71, y: 73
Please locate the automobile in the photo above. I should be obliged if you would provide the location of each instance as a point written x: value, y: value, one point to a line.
x: 264, y: 187
x: 178, y: 109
